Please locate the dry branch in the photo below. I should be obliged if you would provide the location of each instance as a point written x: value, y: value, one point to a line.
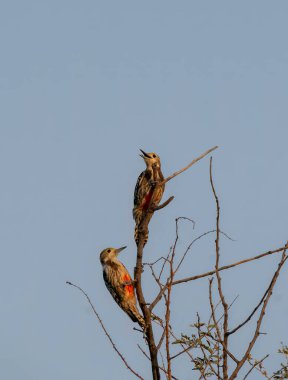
x: 161, y: 368
x: 202, y: 349
x: 216, y: 323
x: 260, y: 319
x: 219, y: 280
x: 140, y: 296
x: 105, y: 331
x: 255, y: 365
x: 211, y: 272
x: 164, y: 204
x: 189, y: 165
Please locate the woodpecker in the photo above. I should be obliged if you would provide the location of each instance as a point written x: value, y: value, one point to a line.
x: 120, y: 284
x: 146, y: 194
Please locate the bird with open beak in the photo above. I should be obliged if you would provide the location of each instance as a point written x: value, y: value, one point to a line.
x: 147, y: 195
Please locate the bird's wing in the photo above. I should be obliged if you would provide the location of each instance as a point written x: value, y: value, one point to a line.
x: 143, y: 178
x: 112, y: 284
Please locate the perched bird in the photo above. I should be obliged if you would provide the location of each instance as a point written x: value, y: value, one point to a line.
x: 120, y: 284
x: 146, y: 192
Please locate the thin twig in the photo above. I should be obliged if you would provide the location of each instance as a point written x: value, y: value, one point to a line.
x: 219, y: 280
x: 189, y: 165
x: 104, y: 329
x: 202, y: 349
x: 164, y: 263
x: 168, y: 302
x: 181, y: 352
x: 156, y: 261
x: 185, y: 350
x: 162, y: 369
x: 167, y: 333
x: 213, y: 312
x: 250, y: 316
x: 164, y: 204
x: 172, y: 252
x: 161, y: 339
x: 194, y: 241
x: 163, y: 289
x: 193, y: 278
x: 255, y: 365
x: 216, y: 324
x: 259, y: 322
x: 215, y: 321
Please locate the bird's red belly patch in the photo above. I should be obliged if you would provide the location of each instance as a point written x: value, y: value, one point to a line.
x: 129, y: 289
x: 147, y: 200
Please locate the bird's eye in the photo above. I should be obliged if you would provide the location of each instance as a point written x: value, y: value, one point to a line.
x: 108, y: 250
x: 154, y: 155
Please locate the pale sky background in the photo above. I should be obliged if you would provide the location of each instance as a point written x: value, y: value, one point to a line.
x: 83, y: 86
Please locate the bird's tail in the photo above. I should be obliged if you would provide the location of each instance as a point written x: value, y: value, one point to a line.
x: 136, y: 316
x: 136, y: 236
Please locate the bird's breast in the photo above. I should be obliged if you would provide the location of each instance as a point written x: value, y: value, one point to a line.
x: 129, y: 289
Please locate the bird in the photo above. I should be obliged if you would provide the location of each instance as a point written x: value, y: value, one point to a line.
x: 146, y: 192
x: 120, y: 284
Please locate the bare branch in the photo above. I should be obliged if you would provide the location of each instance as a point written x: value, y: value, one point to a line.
x: 194, y: 241
x: 181, y: 352
x: 255, y: 365
x: 189, y: 165
x: 224, y: 303
x: 141, y: 299
x: 168, y: 301
x: 213, y: 312
x: 250, y: 316
x: 185, y: 350
x: 216, y: 323
x: 161, y: 368
x: 167, y: 334
x: 211, y: 272
x: 254, y: 310
x: 164, y: 204
x: 259, y: 322
x: 105, y: 331
x: 161, y: 339
x: 164, y: 263
x: 202, y: 349
x: 163, y: 289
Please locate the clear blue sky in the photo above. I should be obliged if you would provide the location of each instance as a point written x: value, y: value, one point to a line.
x: 83, y: 86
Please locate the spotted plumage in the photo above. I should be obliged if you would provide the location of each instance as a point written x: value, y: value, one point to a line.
x: 120, y: 284
x: 146, y: 194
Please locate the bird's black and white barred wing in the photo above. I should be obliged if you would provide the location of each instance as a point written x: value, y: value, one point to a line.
x: 141, y: 187
x: 112, y: 284
x: 138, y: 186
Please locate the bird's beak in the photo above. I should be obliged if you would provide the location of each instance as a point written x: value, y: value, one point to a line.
x: 144, y: 154
x: 120, y: 249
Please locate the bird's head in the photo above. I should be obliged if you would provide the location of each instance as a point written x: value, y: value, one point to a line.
x: 109, y: 254
x: 151, y: 159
